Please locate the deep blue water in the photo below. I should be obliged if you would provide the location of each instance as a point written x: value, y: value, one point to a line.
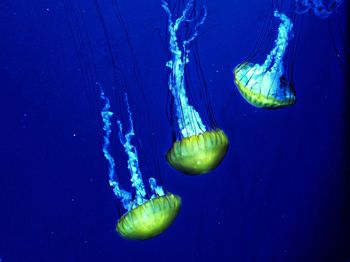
x: 281, y: 193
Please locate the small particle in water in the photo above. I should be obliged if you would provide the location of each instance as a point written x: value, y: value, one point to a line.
x: 24, y: 120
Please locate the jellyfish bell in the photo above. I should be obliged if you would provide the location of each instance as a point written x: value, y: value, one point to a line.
x: 266, y: 85
x: 149, y: 219
x: 198, y: 154
x: 263, y: 89
x: 197, y: 149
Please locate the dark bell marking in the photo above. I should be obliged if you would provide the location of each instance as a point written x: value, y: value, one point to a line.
x: 283, y: 82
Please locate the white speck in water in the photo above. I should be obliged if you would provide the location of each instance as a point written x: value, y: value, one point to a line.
x: 24, y: 120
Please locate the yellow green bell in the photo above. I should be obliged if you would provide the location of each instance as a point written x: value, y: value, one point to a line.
x: 198, y: 154
x: 149, y: 219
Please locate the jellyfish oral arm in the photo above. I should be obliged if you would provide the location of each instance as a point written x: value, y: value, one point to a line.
x: 133, y: 162
x: 155, y: 189
x: 189, y: 120
x: 321, y: 8
x: 275, y: 57
x: 123, y: 195
x: 302, y: 6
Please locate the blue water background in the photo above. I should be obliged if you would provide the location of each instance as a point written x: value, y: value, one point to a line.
x: 281, y: 194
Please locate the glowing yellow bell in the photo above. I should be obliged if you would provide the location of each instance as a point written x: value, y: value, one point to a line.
x: 198, y: 154
x: 149, y: 219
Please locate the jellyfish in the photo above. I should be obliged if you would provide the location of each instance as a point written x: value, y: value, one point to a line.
x: 265, y: 85
x: 321, y: 8
x: 197, y: 149
x: 145, y: 217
